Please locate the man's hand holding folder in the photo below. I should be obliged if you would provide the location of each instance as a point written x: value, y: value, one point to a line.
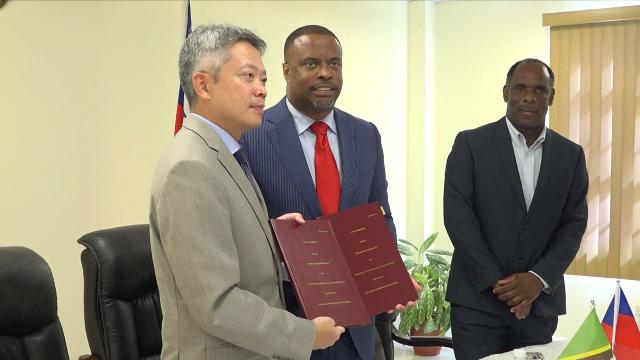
x: 345, y: 265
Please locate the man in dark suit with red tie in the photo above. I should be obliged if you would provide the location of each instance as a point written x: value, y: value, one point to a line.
x: 515, y: 209
x: 312, y: 158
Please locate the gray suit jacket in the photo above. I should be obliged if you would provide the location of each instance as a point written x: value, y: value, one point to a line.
x: 215, y: 259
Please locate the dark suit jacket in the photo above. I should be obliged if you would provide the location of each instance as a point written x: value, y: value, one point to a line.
x: 493, y: 233
x: 279, y: 166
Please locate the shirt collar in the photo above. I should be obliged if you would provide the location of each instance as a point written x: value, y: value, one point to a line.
x: 226, y: 138
x: 303, y: 122
x: 518, y: 138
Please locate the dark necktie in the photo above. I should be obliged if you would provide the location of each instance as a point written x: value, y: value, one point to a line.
x: 327, y: 176
x: 243, y: 160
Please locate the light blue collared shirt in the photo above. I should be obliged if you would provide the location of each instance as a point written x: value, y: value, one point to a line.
x: 528, y: 160
x: 228, y: 140
x: 308, y: 138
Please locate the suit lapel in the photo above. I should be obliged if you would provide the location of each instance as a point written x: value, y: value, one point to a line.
x: 230, y: 164
x: 347, y: 140
x: 546, y: 166
x: 502, y: 140
x: 284, y: 137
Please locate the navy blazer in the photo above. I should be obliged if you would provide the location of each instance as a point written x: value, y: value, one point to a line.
x: 280, y: 168
x: 491, y: 230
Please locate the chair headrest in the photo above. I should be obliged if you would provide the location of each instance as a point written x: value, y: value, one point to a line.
x: 123, y: 259
x: 28, y: 294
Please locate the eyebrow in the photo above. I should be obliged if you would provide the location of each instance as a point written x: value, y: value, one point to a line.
x: 539, y: 86
x: 316, y: 59
x: 252, y: 67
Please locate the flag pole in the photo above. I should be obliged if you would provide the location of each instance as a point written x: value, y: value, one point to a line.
x: 183, y: 104
x: 616, y: 312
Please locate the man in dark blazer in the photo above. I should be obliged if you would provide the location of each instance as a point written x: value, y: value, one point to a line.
x: 282, y: 155
x: 515, y: 210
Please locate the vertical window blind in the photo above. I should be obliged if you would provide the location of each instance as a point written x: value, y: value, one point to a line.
x: 595, y: 55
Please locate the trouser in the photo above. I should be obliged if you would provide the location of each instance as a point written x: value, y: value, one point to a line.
x: 477, y: 334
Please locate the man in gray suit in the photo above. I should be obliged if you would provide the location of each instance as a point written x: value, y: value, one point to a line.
x: 215, y: 259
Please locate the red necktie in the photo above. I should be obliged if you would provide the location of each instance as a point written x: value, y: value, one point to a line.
x: 327, y: 176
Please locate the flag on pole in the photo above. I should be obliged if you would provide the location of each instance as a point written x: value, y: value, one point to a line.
x: 183, y: 104
x: 621, y: 327
x: 589, y: 342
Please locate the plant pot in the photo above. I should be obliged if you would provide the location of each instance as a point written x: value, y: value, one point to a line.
x: 426, y: 350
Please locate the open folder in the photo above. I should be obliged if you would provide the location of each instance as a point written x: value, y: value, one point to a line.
x: 345, y: 265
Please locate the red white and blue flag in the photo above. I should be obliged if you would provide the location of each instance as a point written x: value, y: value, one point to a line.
x: 183, y: 104
x: 621, y: 328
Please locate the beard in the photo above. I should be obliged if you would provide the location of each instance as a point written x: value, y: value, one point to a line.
x: 323, y: 104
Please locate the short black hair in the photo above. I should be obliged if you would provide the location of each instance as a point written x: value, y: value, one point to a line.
x: 513, y: 68
x: 306, y: 30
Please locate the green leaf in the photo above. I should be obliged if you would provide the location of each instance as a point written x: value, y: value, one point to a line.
x: 427, y: 243
x: 405, y: 242
x: 419, y: 268
x: 405, y: 250
x: 420, y: 278
x: 440, y: 252
x: 409, y: 264
x: 437, y: 261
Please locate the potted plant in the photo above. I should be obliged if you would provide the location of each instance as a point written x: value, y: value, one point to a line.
x: 430, y: 268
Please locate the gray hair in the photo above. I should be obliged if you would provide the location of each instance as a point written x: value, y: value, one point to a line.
x: 207, y: 49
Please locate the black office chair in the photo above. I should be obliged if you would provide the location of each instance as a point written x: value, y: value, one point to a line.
x: 29, y: 325
x: 122, y: 312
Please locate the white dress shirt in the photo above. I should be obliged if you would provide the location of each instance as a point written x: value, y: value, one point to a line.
x: 308, y: 138
x: 528, y: 160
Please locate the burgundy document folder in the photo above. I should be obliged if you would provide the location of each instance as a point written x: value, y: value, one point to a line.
x: 345, y: 265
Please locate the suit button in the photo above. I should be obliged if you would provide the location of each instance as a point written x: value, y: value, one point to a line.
x: 526, y: 227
